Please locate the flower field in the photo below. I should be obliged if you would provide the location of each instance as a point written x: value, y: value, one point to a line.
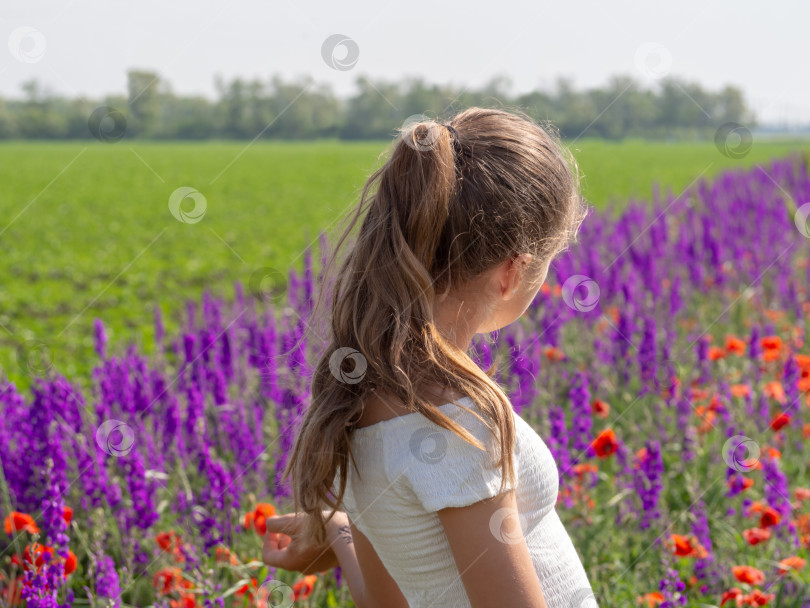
x: 665, y: 364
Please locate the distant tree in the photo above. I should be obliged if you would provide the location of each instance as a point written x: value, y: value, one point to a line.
x: 303, y: 109
x: 144, y: 106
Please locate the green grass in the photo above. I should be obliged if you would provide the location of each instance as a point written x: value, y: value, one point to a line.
x: 87, y: 232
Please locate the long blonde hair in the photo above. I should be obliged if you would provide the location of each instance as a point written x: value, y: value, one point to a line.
x: 446, y: 206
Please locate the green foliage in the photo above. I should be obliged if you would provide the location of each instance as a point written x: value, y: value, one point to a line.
x: 303, y: 109
x: 87, y: 232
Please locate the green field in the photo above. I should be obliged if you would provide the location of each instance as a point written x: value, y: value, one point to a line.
x: 86, y: 231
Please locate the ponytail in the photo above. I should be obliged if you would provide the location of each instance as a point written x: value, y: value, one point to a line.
x: 447, y: 205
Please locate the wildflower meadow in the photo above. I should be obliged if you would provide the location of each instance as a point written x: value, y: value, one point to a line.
x: 665, y: 363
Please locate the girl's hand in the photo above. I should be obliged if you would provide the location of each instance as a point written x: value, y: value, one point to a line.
x: 284, y: 548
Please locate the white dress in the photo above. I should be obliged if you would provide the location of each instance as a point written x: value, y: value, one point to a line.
x: 410, y: 468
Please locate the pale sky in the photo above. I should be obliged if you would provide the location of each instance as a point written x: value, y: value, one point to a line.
x: 85, y: 46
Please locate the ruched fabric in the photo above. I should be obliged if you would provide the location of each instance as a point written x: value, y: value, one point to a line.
x: 409, y: 468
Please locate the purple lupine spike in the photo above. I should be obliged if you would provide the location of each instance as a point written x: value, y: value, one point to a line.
x: 581, y: 415
x: 100, y: 339
x: 647, y: 353
x: 647, y: 478
x: 160, y: 331
x: 558, y: 441
x: 107, y: 582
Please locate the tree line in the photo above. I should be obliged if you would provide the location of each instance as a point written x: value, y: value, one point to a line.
x: 304, y: 109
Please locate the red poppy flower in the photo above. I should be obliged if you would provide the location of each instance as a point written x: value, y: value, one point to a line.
x: 67, y: 515
x: 605, y: 443
x: 802, y: 494
x: 775, y: 390
x: 735, y: 346
x: 757, y: 598
x: 260, y: 515
x: 793, y: 562
x: 600, y: 408
x: 748, y: 574
x: 754, y: 536
x: 650, y: 600
x: 771, y: 343
x: 186, y: 601
x: 780, y: 420
x: 740, y: 390
x: 303, y: 588
x: 735, y: 593
x: 17, y: 522
x: 70, y: 563
x: 686, y: 546
x: 770, y: 517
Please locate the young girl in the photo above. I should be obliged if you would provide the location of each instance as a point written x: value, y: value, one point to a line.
x: 450, y: 499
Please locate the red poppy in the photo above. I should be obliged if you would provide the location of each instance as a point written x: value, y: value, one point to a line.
x: 302, y: 589
x: 67, y: 515
x: 740, y: 390
x: 17, y: 522
x: 223, y: 554
x: 735, y: 346
x: 754, y: 536
x: 686, y: 546
x: 771, y: 343
x: 735, y: 593
x: 793, y: 562
x: 802, y: 494
x: 600, y: 408
x: 780, y: 420
x: 757, y: 598
x: 170, y: 579
x: 70, y: 563
x: 650, y: 600
x: 260, y: 515
x: 770, y: 517
x: 715, y: 353
x: 748, y: 574
x: 605, y: 443
x: 775, y: 390
x: 186, y: 601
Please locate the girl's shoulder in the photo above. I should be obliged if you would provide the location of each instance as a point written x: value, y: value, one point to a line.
x: 380, y: 406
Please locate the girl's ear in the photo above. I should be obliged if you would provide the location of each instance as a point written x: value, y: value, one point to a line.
x: 514, y: 272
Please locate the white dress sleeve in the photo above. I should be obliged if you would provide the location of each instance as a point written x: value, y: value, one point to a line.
x: 443, y: 470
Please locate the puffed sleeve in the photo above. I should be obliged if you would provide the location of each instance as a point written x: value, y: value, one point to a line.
x: 442, y: 470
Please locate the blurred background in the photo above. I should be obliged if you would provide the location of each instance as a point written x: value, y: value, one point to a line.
x: 276, y: 114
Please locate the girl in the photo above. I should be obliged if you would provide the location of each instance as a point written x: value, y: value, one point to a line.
x: 450, y: 499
